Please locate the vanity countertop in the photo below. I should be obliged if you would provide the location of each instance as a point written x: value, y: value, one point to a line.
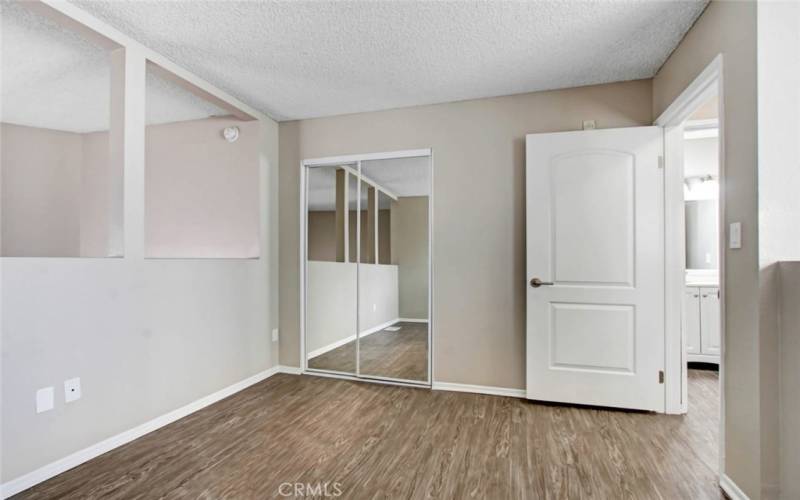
x: 701, y: 282
x: 702, y: 277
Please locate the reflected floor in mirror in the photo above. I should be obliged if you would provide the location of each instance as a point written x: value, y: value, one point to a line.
x: 400, y: 354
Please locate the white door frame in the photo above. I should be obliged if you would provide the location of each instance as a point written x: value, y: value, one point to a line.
x: 350, y: 159
x: 707, y: 84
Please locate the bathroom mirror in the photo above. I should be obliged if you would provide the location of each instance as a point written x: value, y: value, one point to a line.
x: 702, y: 230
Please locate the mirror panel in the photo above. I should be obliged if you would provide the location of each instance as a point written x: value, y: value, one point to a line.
x: 331, y: 268
x: 393, y: 275
x: 702, y: 230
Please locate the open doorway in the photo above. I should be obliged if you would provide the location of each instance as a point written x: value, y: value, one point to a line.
x: 695, y: 261
x: 701, y: 318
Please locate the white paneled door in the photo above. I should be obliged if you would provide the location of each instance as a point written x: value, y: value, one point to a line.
x: 595, y: 262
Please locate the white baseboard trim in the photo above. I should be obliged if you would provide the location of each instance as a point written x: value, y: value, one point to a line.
x: 333, y: 345
x: 52, y: 469
x: 479, y: 389
x: 731, y: 489
x: 351, y: 338
x: 413, y: 320
x: 378, y: 328
x: 291, y: 370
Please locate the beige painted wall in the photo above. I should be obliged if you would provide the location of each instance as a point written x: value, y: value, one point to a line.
x: 202, y: 198
x: 730, y: 28
x: 145, y: 336
x: 95, y: 196
x: 779, y: 240
x: 478, y: 230
x: 202, y: 194
x: 40, y: 173
x: 790, y: 380
x: 410, y: 253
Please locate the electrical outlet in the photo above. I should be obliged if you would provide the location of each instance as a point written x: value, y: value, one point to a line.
x: 589, y: 125
x: 72, y: 389
x: 44, y: 399
x: 274, y: 334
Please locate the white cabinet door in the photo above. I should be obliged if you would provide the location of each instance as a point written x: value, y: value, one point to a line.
x: 595, y: 255
x: 709, y: 320
x: 691, y: 320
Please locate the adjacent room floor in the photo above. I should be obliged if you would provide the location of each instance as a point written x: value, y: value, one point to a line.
x: 379, y: 441
x: 400, y: 354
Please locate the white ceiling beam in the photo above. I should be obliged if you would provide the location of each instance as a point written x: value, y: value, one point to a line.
x: 76, y: 19
x: 371, y: 182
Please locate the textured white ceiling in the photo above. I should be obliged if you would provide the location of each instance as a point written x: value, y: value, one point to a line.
x: 317, y: 58
x: 402, y: 176
x: 52, y: 78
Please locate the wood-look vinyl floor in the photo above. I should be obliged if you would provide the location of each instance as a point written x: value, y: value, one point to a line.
x: 378, y: 441
x: 401, y: 355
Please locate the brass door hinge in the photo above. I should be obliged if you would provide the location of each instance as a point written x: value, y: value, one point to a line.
x: 661, y: 376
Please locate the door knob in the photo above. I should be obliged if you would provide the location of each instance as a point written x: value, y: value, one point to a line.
x: 536, y: 283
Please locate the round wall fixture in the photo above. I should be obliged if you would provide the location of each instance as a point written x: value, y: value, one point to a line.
x: 231, y: 134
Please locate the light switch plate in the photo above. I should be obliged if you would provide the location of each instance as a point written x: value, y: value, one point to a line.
x: 72, y: 389
x: 735, y: 235
x: 44, y: 399
x: 274, y: 334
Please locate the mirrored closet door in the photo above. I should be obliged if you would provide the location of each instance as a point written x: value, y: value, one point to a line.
x: 367, y: 267
x: 332, y: 268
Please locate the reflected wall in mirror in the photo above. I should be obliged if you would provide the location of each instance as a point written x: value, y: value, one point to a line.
x: 393, y: 288
x: 61, y: 188
x: 331, y: 268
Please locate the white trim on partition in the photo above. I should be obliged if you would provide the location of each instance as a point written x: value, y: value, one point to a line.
x: 52, y: 469
x: 364, y: 178
x: 98, y: 30
x: 413, y: 320
x: 731, y: 489
x: 479, y: 389
x: 351, y: 338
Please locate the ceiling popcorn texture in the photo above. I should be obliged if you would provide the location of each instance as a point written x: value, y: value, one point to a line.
x: 53, y: 78
x: 304, y: 59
